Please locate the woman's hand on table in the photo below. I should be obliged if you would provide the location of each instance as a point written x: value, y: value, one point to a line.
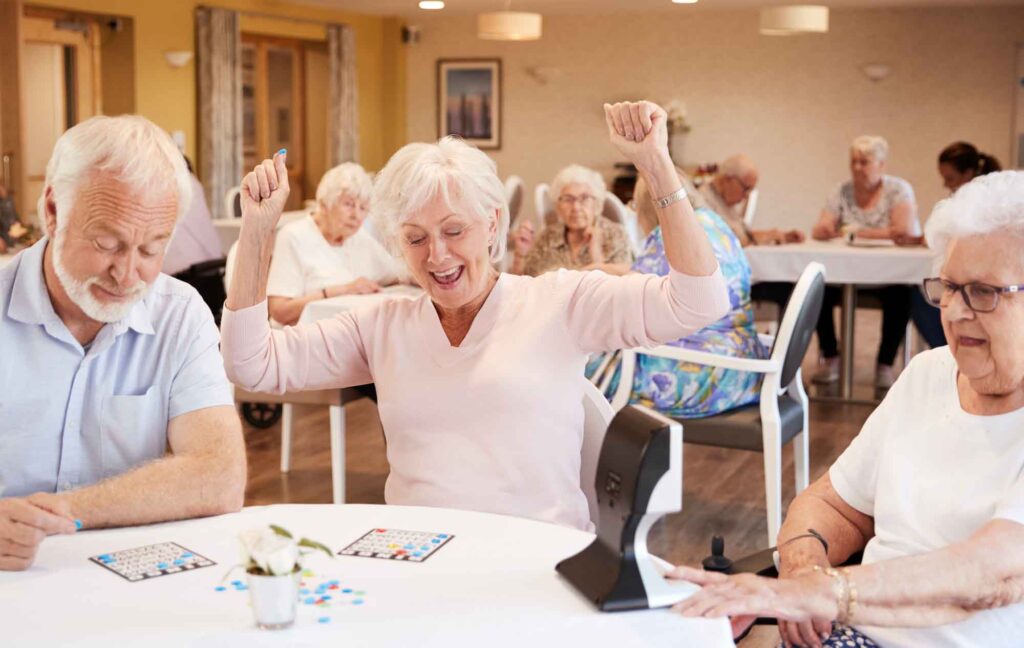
x: 264, y: 192
x: 638, y: 130
x: 804, y: 599
x: 803, y: 633
x: 906, y: 240
x: 361, y: 286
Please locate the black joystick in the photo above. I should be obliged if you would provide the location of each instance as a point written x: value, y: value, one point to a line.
x: 717, y: 562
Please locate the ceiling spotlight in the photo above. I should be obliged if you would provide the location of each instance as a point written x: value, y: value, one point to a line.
x: 684, y: 1
x: 432, y: 5
x: 794, y: 19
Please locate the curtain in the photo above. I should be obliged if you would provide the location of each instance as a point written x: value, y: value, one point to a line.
x: 219, y: 59
x: 342, y: 110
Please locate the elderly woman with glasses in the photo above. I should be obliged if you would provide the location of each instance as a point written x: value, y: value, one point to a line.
x: 871, y: 205
x: 583, y: 238
x: 932, y: 490
x: 480, y: 380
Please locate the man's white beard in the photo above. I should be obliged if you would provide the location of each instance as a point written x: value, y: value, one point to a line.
x: 79, y: 291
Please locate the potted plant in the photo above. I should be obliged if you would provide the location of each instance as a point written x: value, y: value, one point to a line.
x: 272, y: 558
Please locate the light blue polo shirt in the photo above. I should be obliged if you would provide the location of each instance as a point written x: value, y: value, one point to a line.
x: 70, y: 417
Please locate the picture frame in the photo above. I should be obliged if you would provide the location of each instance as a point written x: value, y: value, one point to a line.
x: 469, y: 101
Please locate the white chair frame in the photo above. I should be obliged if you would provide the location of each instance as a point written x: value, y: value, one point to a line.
x: 771, y: 389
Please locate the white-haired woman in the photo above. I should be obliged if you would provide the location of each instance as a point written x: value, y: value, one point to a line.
x: 933, y: 487
x: 327, y: 254
x: 480, y: 381
x: 871, y: 205
x: 582, y: 238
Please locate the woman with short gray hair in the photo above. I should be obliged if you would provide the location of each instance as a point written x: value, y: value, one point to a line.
x: 932, y: 489
x: 581, y: 238
x: 871, y: 205
x: 479, y: 381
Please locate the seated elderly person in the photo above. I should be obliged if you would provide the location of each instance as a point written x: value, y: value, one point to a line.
x: 727, y: 194
x: 480, y: 380
x: 932, y: 489
x: 116, y: 410
x: 684, y: 389
x: 327, y: 253
x: 871, y: 205
x: 583, y: 238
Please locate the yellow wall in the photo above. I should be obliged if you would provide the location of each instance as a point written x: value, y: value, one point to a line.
x: 168, y: 96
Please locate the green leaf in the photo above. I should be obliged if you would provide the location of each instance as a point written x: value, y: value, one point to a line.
x: 281, y: 531
x: 313, y: 544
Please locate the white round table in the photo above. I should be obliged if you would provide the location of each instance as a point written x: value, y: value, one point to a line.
x: 493, y: 584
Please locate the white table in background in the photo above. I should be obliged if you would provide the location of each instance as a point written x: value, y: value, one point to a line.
x: 849, y: 266
x: 326, y: 308
x: 494, y: 584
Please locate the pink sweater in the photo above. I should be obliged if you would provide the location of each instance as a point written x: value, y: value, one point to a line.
x: 495, y: 424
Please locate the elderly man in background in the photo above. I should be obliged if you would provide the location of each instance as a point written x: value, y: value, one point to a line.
x: 116, y: 409
x: 727, y: 195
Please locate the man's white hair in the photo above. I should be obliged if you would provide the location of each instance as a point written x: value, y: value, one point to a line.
x: 577, y: 174
x: 461, y: 174
x: 136, y: 150
x: 873, y: 146
x: 347, y: 178
x: 987, y: 204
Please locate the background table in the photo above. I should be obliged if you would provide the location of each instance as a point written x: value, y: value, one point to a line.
x: 849, y: 266
x: 228, y: 229
x: 325, y: 308
x: 493, y: 584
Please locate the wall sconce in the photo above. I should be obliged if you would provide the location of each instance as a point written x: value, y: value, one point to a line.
x: 876, y: 71
x: 178, y: 58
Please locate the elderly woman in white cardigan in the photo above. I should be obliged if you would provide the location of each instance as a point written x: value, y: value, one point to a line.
x: 933, y: 487
x: 479, y: 381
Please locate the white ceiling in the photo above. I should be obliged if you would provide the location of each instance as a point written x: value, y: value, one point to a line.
x: 409, y: 8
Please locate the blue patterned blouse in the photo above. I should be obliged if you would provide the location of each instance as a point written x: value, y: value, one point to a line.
x: 683, y: 389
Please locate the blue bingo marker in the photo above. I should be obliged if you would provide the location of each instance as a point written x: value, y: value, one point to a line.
x: 78, y: 525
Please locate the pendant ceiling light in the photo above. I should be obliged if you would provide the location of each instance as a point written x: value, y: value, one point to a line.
x: 794, y: 19
x: 509, y: 25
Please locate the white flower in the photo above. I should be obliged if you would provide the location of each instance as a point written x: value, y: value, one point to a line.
x: 274, y: 554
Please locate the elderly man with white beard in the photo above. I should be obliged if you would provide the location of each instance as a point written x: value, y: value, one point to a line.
x: 114, y: 406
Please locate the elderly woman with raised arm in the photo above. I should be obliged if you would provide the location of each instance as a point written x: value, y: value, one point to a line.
x: 479, y: 381
x: 932, y: 490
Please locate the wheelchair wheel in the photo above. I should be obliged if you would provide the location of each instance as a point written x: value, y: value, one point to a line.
x: 262, y: 415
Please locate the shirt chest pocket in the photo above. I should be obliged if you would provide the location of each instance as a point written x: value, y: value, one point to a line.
x: 133, y: 430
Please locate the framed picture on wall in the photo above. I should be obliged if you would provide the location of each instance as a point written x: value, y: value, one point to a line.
x: 469, y: 100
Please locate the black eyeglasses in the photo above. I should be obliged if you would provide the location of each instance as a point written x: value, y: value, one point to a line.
x: 979, y: 297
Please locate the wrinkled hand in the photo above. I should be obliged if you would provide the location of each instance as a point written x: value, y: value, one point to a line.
x: 798, y: 599
x: 25, y: 523
x: 638, y: 130
x: 362, y: 286
x: 264, y: 193
x: 522, y: 239
x: 794, y: 236
x: 907, y: 240
x: 595, y: 242
x: 803, y: 633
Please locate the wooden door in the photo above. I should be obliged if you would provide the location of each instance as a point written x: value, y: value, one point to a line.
x: 11, y: 136
x: 60, y: 87
x: 273, y: 105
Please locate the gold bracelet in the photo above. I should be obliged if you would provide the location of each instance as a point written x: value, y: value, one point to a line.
x: 851, y: 607
x: 840, y: 585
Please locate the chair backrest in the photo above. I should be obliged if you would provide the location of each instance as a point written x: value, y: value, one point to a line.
x: 597, y: 416
x: 233, y: 203
x: 542, y: 203
x: 750, y: 209
x: 613, y: 208
x: 514, y: 196
x: 799, y: 321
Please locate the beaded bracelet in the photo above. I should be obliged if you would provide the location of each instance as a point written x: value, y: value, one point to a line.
x: 841, y: 587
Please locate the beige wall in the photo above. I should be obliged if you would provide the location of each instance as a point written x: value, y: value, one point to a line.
x: 793, y: 104
x: 117, y: 68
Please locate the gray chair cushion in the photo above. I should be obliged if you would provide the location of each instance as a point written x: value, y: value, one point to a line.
x: 741, y: 428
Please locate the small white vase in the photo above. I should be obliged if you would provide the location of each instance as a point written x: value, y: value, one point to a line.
x: 274, y: 600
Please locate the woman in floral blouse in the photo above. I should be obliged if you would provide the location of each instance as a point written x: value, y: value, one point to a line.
x: 684, y: 389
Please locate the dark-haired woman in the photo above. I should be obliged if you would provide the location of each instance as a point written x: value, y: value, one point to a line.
x: 959, y: 163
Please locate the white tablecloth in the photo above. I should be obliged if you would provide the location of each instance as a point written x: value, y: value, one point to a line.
x: 493, y: 584
x: 229, y: 228
x: 325, y: 308
x: 844, y: 263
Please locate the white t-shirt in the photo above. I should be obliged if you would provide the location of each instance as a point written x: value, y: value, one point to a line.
x: 931, y: 475
x: 305, y: 262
